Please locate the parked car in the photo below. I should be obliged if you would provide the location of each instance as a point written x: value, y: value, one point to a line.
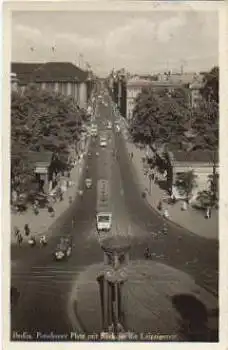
x: 63, y: 249
x: 109, y: 126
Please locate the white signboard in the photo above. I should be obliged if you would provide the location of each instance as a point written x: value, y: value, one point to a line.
x: 41, y: 170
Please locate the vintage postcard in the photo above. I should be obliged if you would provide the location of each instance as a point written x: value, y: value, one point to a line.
x: 114, y: 219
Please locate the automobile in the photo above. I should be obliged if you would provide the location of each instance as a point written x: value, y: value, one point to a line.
x: 117, y: 128
x: 88, y: 183
x: 63, y: 249
x: 109, y: 126
x: 103, y: 142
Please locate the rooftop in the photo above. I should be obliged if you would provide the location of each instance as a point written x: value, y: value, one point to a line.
x: 24, y: 71
x: 199, y: 156
x: 153, y: 83
x: 138, y: 82
x: 48, y: 72
x: 40, y: 157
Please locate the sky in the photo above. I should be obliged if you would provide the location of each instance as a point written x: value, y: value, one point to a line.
x: 140, y: 42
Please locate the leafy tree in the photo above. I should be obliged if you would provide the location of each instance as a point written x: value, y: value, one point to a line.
x: 42, y: 120
x: 160, y: 117
x: 205, y: 122
x: 210, y: 91
x: 185, y: 183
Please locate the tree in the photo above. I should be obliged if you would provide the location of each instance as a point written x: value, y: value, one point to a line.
x: 213, y: 180
x: 185, y: 183
x: 205, y: 123
x: 42, y: 120
x: 210, y: 90
x: 160, y: 117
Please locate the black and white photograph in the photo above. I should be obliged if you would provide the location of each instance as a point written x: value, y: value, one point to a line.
x: 114, y: 172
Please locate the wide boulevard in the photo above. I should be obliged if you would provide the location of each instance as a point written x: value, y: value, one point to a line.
x: 45, y: 284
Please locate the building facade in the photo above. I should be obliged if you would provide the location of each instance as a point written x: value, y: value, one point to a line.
x: 134, y: 88
x: 202, y: 163
x: 41, y: 162
x: 60, y: 77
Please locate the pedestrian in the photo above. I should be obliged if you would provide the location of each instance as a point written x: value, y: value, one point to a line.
x: 27, y: 230
x: 159, y: 205
x: 35, y: 209
x: 147, y: 253
x: 53, y: 213
x: 207, y: 213
x: 51, y: 210
x: 184, y: 206
x: 19, y: 239
x: 166, y: 213
x: 173, y: 199
x: 131, y: 155
x: 16, y: 231
x: 70, y: 200
x: 43, y: 240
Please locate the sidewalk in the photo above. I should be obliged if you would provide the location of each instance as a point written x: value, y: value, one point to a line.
x: 191, y: 219
x: 40, y: 223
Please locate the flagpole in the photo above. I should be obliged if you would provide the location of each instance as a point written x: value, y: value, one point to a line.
x: 32, y: 50
x: 53, y: 49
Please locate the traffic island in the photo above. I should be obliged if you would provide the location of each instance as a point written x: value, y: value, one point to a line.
x: 145, y: 297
